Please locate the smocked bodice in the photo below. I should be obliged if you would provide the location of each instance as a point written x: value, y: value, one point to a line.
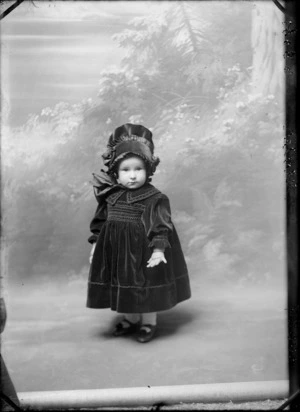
x: 121, y: 211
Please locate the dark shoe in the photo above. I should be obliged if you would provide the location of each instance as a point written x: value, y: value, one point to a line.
x: 146, y: 333
x: 121, y: 330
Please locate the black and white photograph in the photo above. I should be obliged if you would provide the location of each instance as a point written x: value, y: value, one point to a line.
x: 143, y: 204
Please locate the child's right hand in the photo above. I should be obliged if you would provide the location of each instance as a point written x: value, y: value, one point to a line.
x: 92, y: 253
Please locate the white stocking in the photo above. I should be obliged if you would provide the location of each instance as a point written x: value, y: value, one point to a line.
x: 132, y: 317
x: 149, y: 318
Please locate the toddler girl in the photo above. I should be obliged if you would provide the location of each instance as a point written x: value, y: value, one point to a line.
x: 137, y: 265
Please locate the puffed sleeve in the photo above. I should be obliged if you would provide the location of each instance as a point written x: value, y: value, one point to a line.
x: 97, y: 221
x: 158, y: 224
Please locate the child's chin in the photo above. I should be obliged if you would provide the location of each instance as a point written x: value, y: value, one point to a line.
x: 133, y: 186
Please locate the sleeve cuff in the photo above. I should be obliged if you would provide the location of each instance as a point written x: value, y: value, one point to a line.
x: 93, y: 239
x: 159, y: 242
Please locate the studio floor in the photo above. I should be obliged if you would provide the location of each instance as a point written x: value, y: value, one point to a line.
x: 227, y: 334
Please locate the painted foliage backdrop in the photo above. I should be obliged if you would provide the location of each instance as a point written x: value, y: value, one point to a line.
x: 208, y: 81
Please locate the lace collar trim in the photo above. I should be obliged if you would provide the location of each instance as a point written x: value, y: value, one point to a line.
x: 133, y: 196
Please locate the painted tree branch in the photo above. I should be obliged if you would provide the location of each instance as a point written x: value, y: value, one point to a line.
x: 189, y: 28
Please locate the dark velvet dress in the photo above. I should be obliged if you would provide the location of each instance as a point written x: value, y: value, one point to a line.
x: 127, y: 225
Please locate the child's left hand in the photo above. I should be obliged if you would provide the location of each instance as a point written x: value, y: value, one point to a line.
x: 156, y: 258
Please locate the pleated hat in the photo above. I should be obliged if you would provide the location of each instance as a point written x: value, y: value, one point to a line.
x: 130, y: 139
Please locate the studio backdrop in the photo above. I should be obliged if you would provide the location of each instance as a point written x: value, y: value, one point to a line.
x: 207, y: 78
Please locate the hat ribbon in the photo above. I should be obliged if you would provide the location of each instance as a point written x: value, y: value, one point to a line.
x: 103, y: 183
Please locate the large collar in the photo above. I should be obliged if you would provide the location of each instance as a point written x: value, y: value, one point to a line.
x: 133, y: 196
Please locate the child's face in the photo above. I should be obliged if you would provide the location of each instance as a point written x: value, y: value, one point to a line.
x: 132, y: 172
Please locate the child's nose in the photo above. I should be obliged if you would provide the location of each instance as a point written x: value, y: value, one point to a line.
x: 132, y: 174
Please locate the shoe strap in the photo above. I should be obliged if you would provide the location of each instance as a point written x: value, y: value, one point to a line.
x: 147, y: 328
x: 125, y: 323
